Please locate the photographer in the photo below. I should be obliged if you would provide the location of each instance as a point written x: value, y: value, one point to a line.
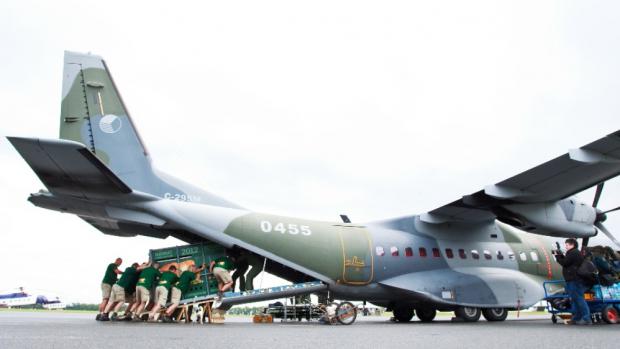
x: 575, y: 287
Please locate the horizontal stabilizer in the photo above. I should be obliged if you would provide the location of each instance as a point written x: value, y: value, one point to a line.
x: 69, y: 168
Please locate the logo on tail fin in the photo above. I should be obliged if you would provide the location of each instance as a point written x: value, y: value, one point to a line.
x: 110, y: 123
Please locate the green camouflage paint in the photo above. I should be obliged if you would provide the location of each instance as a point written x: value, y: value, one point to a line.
x: 92, y: 94
x: 339, y: 252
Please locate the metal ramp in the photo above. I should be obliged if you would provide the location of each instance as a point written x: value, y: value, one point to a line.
x: 263, y: 294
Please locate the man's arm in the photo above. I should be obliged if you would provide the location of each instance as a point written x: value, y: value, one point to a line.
x: 569, y: 259
x: 144, y: 266
x: 211, y: 266
x: 202, y: 267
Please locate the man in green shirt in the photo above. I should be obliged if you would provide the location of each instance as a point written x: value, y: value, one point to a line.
x: 180, y: 288
x: 122, y: 291
x: 109, y: 279
x: 147, y: 278
x: 221, y: 268
x: 167, y: 279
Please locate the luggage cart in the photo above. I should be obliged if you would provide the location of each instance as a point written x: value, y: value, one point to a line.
x: 603, y: 302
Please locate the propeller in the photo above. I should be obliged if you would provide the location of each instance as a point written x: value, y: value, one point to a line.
x: 612, y: 210
x: 597, y: 195
x: 601, y: 216
x: 602, y: 228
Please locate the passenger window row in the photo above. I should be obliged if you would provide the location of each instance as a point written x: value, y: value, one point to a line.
x: 462, y: 254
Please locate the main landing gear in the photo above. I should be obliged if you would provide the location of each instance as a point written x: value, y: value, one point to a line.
x: 495, y: 314
x: 405, y: 314
x: 426, y: 314
x: 469, y: 314
x: 464, y: 314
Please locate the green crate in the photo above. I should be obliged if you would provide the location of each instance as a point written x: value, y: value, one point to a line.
x: 198, y: 253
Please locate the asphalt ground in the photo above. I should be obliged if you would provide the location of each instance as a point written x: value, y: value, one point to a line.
x: 67, y: 330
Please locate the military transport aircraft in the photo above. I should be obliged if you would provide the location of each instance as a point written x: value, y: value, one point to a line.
x: 487, y: 252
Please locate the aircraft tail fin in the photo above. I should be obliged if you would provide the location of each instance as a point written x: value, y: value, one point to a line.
x: 93, y: 113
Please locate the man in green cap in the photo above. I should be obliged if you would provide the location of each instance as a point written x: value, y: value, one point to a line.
x: 109, y: 279
x: 122, y: 291
x: 167, y: 279
x: 180, y: 288
x: 146, y: 280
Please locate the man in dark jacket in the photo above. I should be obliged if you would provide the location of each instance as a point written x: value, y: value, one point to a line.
x: 574, y: 285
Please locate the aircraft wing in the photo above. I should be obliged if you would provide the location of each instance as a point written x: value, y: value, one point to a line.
x: 69, y: 168
x: 566, y: 175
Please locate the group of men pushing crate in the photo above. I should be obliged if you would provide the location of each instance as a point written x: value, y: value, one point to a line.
x: 146, y: 287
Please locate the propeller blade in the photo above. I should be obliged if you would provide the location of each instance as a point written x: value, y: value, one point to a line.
x: 597, y: 195
x: 602, y: 228
x: 613, y: 209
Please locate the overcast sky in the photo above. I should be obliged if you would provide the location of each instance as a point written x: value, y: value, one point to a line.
x: 311, y: 109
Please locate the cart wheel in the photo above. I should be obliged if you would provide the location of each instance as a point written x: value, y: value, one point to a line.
x: 346, y: 313
x: 610, y: 314
x: 554, y: 319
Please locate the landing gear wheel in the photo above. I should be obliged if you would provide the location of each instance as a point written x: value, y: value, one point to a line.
x: 495, y: 314
x: 403, y: 314
x: 468, y: 314
x: 346, y: 313
x: 426, y: 314
x: 610, y: 314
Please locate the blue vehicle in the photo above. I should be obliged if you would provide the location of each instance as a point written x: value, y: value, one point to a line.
x: 603, y: 302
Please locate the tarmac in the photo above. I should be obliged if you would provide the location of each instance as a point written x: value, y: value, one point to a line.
x: 70, y: 330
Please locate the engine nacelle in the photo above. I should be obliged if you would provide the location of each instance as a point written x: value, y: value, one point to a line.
x: 564, y: 218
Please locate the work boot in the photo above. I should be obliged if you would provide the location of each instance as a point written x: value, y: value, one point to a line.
x: 98, y: 317
x: 104, y: 317
x: 136, y: 318
x: 113, y: 317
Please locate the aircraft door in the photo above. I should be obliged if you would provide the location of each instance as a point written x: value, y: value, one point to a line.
x: 357, y: 256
